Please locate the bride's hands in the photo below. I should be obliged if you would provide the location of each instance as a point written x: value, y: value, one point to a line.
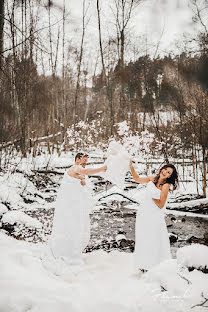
x: 104, y: 168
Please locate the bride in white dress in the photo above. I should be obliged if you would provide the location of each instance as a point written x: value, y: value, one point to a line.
x: 152, y: 244
x: 71, y: 224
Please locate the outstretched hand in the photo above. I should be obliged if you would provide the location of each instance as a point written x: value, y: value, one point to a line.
x: 104, y: 168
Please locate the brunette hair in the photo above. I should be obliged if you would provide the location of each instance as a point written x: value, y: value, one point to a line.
x: 79, y: 156
x: 173, y: 179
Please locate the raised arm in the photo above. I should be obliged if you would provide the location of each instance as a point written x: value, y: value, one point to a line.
x: 91, y: 171
x: 163, y: 196
x: 137, y: 178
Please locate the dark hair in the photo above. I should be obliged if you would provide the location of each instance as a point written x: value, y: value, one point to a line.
x: 85, y: 155
x: 173, y: 179
x: 79, y: 156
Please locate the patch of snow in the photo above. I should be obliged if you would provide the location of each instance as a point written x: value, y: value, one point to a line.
x: 195, y: 255
x: 185, y: 213
x: 190, y: 203
x: 3, y: 209
x: 105, y: 282
x: 20, y: 217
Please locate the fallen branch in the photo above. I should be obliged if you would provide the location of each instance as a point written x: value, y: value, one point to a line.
x: 201, y: 304
x: 186, y: 279
x: 126, y: 197
x: 5, y: 144
x: 47, y: 172
x: 63, y: 167
x: 163, y: 288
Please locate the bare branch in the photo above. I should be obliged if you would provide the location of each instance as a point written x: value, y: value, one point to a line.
x: 198, y: 13
x: 201, y: 304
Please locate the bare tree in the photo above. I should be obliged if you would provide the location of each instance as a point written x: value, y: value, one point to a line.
x: 122, y: 11
x: 1, y: 31
x: 100, y: 39
x: 105, y: 78
x: 200, y: 10
x: 85, y: 22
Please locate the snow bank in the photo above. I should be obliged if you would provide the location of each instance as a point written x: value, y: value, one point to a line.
x: 13, y: 187
x: 195, y: 255
x: 20, y: 217
x: 186, y: 213
x: 189, y: 204
x: 106, y: 282
x: 3, y: 209
x: 165, y: 275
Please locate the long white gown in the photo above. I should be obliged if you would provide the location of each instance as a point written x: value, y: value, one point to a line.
x: 71, y: 224
x: 152, y: 244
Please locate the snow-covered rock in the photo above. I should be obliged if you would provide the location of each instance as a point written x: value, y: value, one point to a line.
x: 120, y: 237
x: 172, y: 237
x: 165, y: 274
x: 20, y: 217
x: 3, y: 209
x: 193, y: 256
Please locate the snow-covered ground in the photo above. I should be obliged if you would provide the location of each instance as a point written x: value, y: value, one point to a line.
x: 23, y: 188
x: 106, y: 282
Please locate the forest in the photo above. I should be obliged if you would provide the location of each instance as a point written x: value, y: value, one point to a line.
x: 48, y: 88
x: 125, y: 82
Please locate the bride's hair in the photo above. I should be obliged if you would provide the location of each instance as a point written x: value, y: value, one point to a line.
x: 173, y: 179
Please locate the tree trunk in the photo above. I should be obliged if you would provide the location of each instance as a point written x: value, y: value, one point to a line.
x: 106, y: 79
x: 204, y: 173
x: 79, y: 64
x: 1, y: 32
x: 100, y: 40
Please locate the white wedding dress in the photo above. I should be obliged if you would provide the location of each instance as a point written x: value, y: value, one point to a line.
x: 71, y: 224
x: 152, y: 244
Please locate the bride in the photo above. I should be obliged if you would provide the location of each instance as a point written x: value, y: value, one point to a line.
x: 152, y: 244
x: 70, y: 232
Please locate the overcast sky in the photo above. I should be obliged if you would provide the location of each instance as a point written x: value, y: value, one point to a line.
x: 154, y: 18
